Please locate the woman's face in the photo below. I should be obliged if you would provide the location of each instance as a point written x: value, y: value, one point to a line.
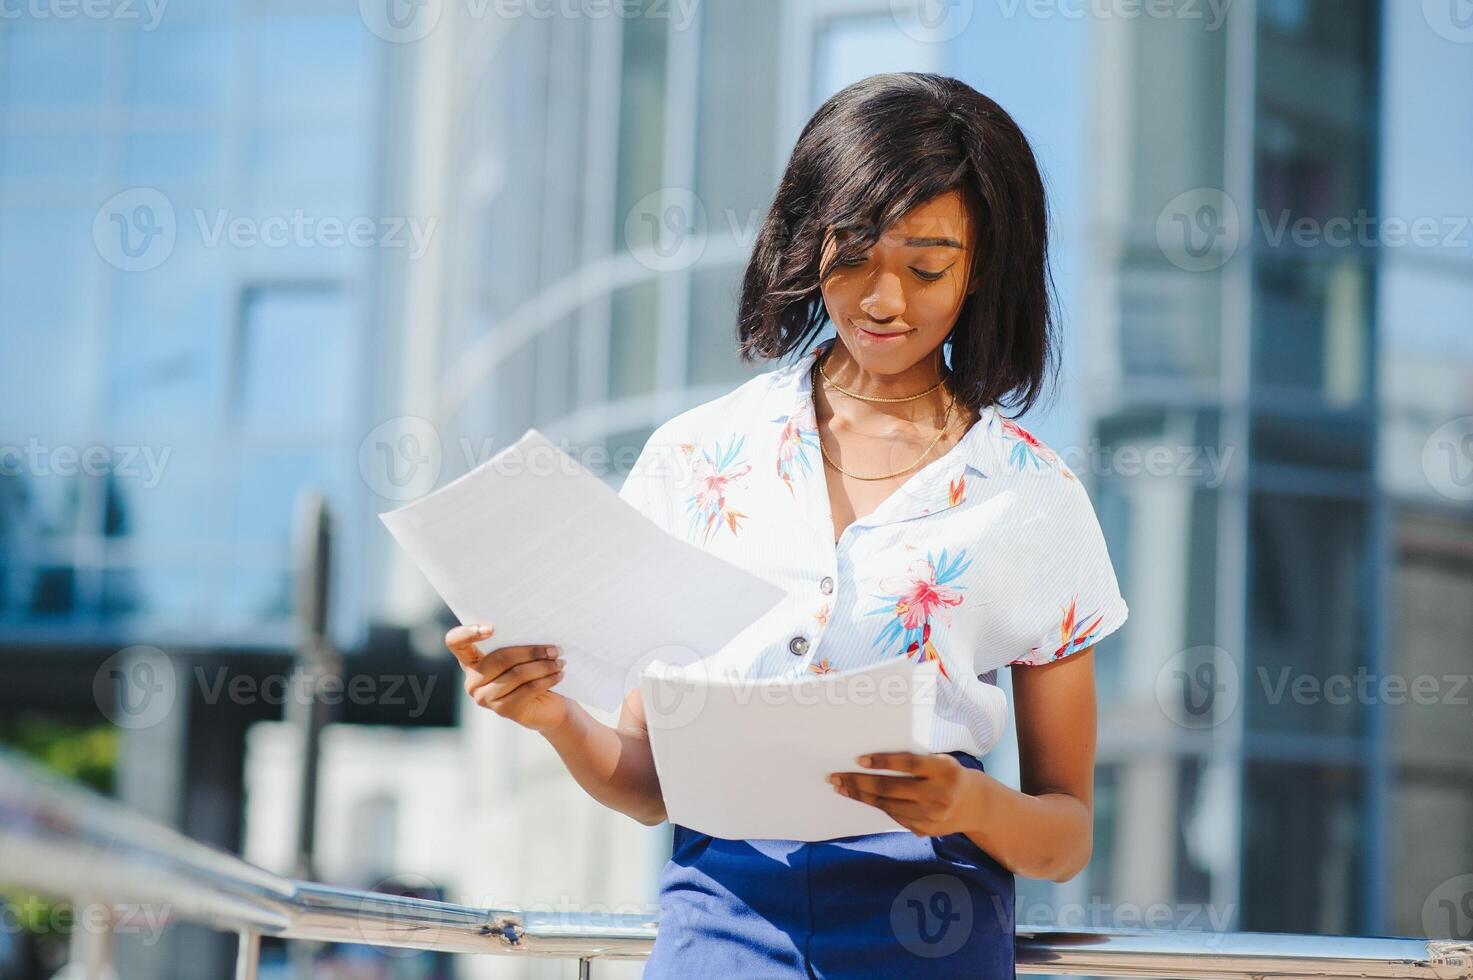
x: 894, y: 307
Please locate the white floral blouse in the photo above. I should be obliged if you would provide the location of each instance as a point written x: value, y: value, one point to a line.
x: 988, y: 556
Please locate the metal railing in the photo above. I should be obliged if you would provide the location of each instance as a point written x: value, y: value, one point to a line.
x: 68, y: 842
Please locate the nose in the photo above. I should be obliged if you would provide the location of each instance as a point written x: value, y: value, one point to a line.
x: 886, y: 299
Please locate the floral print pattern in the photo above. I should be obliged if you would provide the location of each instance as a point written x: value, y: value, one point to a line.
x: 715, y: 470
x: 924, y: 592
x: 797, y: 444
x: 1027, y: 452
x: 1075, y: 633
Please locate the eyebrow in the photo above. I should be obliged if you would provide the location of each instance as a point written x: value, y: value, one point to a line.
x: 932, y: 242
x: 937, y: 242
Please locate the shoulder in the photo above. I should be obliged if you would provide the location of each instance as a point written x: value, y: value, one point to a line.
x: 1021, y: 453
x: 1043, y: 494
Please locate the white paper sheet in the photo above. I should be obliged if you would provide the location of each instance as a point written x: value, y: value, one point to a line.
x: 544, y: 551
x: 747, y: 760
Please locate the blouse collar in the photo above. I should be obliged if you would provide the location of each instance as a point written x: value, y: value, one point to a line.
x: 939, y: 484
x: 975, y: 448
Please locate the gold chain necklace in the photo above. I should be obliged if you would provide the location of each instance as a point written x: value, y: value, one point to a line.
x: 945, y: 425
x: 874, y: 398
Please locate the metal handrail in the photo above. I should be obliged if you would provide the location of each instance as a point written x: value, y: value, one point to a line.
x: 65, y: 841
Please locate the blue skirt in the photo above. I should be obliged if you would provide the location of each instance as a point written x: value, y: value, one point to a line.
x: 878, y: 905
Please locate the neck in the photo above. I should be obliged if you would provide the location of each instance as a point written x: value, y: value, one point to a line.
x: 882, y: 418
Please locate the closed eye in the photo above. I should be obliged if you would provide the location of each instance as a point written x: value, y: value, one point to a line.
x: 921, y: 274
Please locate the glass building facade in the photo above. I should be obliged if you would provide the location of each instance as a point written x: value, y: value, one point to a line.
x: 1257, y: 290
x: 185, y: 331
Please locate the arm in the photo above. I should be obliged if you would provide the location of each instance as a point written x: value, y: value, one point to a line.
x: 1046, y: 830
x: 1042, y: 831
x: 614, y: 765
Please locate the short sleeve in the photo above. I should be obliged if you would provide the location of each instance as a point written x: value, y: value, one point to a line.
x: 647, y: 488
x: 1068, y: 596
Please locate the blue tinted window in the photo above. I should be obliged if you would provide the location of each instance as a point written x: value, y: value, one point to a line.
x: 54, y: 66
x: 295, y: 362
x: 181, y: 66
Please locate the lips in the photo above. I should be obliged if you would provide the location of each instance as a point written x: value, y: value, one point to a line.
x: 881, y: 334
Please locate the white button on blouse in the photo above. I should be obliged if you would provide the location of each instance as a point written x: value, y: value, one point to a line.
x: 988, y: 556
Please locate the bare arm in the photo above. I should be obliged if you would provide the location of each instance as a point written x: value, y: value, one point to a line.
x: 1041, y: 832
x: 1046, y: 830
x: 614, y: 765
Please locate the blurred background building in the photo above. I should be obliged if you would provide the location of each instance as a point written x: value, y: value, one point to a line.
x: 252, y: 248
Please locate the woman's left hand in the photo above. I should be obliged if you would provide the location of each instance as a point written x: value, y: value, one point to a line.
x: 940, y: 796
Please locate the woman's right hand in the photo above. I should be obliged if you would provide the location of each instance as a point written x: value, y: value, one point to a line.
x: 514, y: 682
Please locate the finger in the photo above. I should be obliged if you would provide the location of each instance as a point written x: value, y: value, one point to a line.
x: 461, y: 641
x: 503, y: 659
x: 904, y: 811
x: 499, y: 685
x: 892, y: 787
x: 919, y: 763
x: 509, y: 680
x: 524, y: 693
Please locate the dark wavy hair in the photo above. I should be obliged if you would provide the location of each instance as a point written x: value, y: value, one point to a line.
x: 871, y: 153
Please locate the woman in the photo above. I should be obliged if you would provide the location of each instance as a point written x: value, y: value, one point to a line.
x: 875, y: 479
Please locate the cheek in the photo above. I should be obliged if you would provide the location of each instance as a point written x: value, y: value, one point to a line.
x: 935, y: 308
x: 843, y: 291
